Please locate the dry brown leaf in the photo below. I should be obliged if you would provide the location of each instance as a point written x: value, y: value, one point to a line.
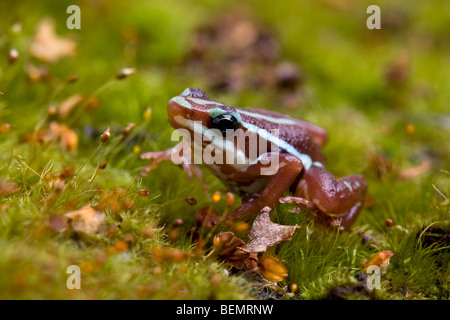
x: 413, y: 172
x: 57, y: 223
x: 48, y: 46
x: 68, y: 139
x: 380, y: 259
x: 230, y: 249
x: 67, y: 105
x: 60, y: 132
x: 252, y: 262
x: 86, y: 220
x: 265, y: 233
x: 7, y: 188
x: 36, y: 73
x: 206, y: 217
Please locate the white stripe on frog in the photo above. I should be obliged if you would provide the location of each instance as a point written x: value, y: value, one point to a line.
x: 306, y: 159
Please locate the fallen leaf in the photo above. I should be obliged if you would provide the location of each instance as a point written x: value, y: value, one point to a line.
x: 252, y: 262
x: 264, y: 233
x: 36, y: 73
x: 380, y: 259
x: 67, y: 105
x: 60, y: 132
x: 272, y: 269
x: 230, y: 249
x: 57, y: 223
x: 48, y: 46
x: 206, y: 217
x: 86, y: 220
x: 7, y: 188
x: 413, y: 172
x: 69, y: 139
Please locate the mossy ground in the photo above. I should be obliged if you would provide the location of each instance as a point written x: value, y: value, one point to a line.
x: 377, y: 126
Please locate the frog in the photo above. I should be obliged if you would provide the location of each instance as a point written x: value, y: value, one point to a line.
x: 298, y: 175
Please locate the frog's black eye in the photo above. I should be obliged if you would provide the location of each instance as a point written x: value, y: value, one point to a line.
x: 225, y: 122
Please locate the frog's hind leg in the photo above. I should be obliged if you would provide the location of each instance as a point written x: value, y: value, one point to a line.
x: 338, y: 201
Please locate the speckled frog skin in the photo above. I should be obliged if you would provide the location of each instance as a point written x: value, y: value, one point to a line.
x: 300, y: 163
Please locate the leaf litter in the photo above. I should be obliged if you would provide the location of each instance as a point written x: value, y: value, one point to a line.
x: 263, y: 234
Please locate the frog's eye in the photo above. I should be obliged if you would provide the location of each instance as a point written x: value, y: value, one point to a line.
x: 225, y: 122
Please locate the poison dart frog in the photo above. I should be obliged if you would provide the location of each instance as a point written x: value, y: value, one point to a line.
x: 260, y: 180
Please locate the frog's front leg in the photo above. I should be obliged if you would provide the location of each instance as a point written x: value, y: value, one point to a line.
x: 185, y: 160
x: 338, y: 201
x: 288, y: 169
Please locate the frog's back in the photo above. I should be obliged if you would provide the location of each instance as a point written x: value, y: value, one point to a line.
x: 296, y: 136
x: 318, y: 134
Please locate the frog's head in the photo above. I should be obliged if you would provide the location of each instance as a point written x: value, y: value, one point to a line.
x: 193, y: 105
x: 235, y: 143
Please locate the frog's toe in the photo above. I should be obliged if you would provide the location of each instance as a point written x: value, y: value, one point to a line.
x: 156, y: 158
x: 298, y: 200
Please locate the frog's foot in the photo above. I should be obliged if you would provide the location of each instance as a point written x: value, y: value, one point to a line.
x: 298, y: 200
x: 337, y: 201
x: 156, y: 158
x: 185, y: 163
x: 338, y: 222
